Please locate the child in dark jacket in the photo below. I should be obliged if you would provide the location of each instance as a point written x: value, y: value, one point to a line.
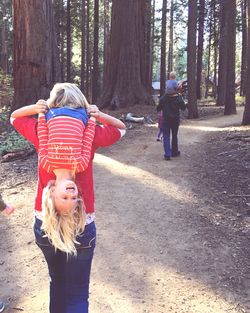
x: 170, y: 105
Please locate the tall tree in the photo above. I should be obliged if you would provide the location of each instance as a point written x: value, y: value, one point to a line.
x: 246, y: 115
x: 106, y: 39
x: 3, y: 45
x: 83, y: 46
x: 244, y: 47
x: 191, y: 60
x: 35, y: 64
x: 88, y: 54
x: 123, y: 85
x: 95, y: 72
x: 230, y: 104
x: 221, y: 92
x: 226, y: 74
x: 69, y: 52
x: 215, y: 14
x: 201, y: 19
x: 146, y: 68
x: 171, y: 39
x: 163, y: 47
x: 60, y: 26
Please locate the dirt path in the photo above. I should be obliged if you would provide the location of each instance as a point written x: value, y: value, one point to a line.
x: 159, y: 247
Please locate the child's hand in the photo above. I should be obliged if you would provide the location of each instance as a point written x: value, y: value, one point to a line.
x: 41, y: 106
x: 93, y: 111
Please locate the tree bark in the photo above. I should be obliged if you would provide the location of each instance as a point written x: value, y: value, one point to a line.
x: 123, y: 85
x: 35, y: 57
x: 246, y: 115
x: 3, y: 45
x: 106, y: 25
x: 201, y: 19
x: 230, y: 104
x: 191, y: 60
x: 83, y: 46
x: 95, y: 71
x: 221, y: 92
x: 163, y: 48
x: 171, y: 39
x: 244, y: 48
x: 68, y: 40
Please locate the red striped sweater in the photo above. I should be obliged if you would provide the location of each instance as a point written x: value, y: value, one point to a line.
x: 64, y: 142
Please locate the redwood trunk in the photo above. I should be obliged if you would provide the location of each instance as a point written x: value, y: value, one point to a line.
x: 191, y: 60
x: 35, y: 64
x: 123, y: 85
x: 163, y: 48
x: 246, y: 115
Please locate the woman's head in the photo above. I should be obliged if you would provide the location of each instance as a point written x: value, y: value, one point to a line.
x: 62, y: 223
x: 67, y: 94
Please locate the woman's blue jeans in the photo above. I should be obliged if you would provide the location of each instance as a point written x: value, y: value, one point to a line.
x: 170, y: 127
x: 69, y: 277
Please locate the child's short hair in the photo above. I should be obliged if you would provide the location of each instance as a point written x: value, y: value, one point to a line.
x: 67, y: 94
x: 62, y: 230
x: 172, y: 75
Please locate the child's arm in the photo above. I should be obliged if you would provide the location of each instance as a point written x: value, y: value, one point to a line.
x: 39, y: 107
x: 87, y: 140
x: 42, y: 133
x: 105, y: 119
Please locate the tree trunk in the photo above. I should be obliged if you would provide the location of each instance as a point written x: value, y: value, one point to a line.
x: 215, y: 48
x: 106, y: 37
x: 152, y: 40
x: 171, y: 39
x: 35, y: 64
x: 3, y: 45
x: 191, y: 60
x: 163, y: 48
x: 68, y: 40
x: 209, y: 56
x: 95, y: 72
x: 244, y: 48
x: 221, y: 91
x: 147, y: 74
x: 246, y: 115
x: 230, y: 105
x: 83, y: 46
x: 123, y: 85
x: 88, y: 53
x: 201, y: 18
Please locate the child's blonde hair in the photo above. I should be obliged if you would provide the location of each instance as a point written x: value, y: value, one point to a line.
x: 172, y: 75
x: 62, y: 230
x: 67, y: 94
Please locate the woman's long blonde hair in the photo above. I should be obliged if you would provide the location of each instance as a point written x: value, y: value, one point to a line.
x: 67, y: 94
x: 62, y: 230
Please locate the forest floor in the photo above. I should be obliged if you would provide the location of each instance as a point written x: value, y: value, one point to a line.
x: 173, y: 236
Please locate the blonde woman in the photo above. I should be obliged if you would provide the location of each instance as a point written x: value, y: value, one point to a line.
x: 69, y: 265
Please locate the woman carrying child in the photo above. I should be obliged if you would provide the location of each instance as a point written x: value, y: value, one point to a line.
x: 66, y: 241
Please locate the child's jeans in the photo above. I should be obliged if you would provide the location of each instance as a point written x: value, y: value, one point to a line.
x: 69, y: 278
x: 170, y: 127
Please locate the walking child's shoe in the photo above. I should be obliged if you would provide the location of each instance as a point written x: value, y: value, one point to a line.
x: 2, y: 306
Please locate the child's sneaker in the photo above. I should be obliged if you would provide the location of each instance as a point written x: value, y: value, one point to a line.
x: 8, y: 210
x: 2, y: 307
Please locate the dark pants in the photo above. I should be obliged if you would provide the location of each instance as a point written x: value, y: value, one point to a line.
x: 170, y: 128
x: 69, y: 277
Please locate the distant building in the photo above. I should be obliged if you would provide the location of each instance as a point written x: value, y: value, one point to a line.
x: 156, y: 87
